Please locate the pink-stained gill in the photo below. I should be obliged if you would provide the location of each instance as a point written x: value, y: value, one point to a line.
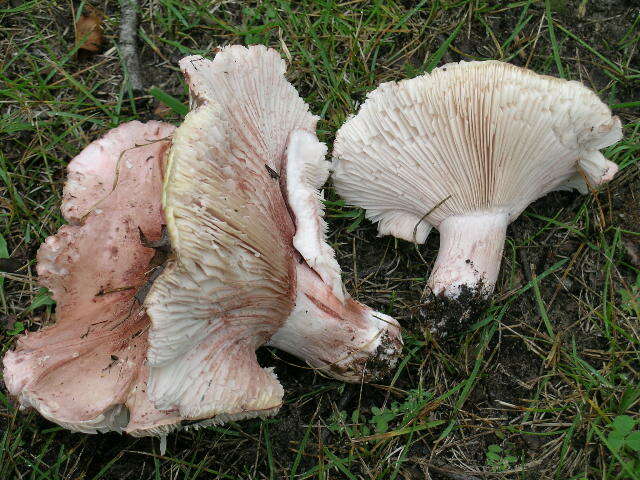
x: 232, y: 282
x: 233, y: 212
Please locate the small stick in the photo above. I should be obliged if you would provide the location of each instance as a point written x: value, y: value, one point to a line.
x: 526, y: 266
x: 454, y: 475
x: 128, y: 45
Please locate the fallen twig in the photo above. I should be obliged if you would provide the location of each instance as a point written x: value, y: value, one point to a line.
x: 128, y: 45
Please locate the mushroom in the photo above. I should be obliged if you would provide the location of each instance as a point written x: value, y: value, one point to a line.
x: 465, y: 149
x: 251, y: 265
x: 87, y: 372
x: 155, y: 333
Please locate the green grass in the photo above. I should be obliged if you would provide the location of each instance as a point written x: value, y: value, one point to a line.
x: 545, y: 373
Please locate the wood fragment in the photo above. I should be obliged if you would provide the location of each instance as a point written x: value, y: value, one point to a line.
x: 272, y: 173
x: 128, y: 43
x: 526, y: 265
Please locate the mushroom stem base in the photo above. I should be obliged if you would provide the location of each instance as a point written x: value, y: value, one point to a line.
x: 470, y: 254
x: 343, y: 339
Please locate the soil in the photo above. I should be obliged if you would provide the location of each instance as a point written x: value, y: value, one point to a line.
x: 391, y: 275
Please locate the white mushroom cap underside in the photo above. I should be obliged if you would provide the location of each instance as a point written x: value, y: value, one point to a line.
x: 260, y: 104
x: 232, y: 283
x: 480, y: 136
x: 250, y: 87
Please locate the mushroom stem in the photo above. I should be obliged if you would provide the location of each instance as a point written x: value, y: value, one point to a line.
x: 470, y: 253
x: 345, y: 339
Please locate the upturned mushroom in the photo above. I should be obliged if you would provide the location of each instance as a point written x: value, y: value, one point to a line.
x: 151, y: 333
x: 251, y: 265
x: 466, y: 149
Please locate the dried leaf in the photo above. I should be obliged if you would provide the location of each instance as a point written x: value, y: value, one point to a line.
x: 89, y: 30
